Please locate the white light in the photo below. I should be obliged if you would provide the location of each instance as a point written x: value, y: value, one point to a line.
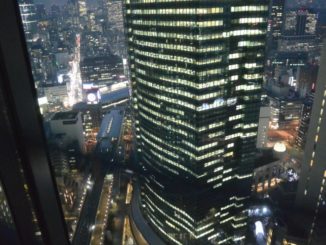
x: 265, y: 210
x: 259, y: 229
x: 91, y: 97
x: 42, y: 100
x: 92, y: 228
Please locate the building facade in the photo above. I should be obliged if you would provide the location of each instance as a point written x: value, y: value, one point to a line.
x: 311, y: 195
x: 301, y: 138
x: 275, y: 22
x: 28, y: 15
x: 196, y: 72
x: 68, y: 126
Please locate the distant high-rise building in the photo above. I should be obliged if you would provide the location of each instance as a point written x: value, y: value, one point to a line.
x: 28, y: 15
x: 82, y: 8
x: 300, y: 140
x: 115, y: 26
x: 300, y: 22
x: 299, y: 31
x: 100, y: 69
x: 263, y: 125
x: 68, y: 127
x: 311, y: 195
x: 276, y: 20
x: 196, y: 72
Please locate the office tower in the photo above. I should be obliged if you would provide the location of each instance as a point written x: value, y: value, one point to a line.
x: 311, y: 195
x: 28, y: 15
x: 68, y: 127
x: 98, y: 70
x: 196, y: 72
x: 299, y: 32
x: 301, y: 137
x: 263, y: 125
x: 300, y: 22
x: 115, y: 26
x: 82, y: 8
x: 276, y: 20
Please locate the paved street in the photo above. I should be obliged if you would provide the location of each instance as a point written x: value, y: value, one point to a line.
x: 103, y: 162
x: 88, y: 213
x: 102, y: 213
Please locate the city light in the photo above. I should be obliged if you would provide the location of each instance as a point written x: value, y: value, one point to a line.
x: 178, y: 122
x: 259, y: 229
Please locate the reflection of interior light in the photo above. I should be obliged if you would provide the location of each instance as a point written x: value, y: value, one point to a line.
x: 259, y: 230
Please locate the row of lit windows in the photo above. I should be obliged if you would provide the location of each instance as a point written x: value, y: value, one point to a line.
x: 210, y: 154
x: 215, y: 178
x: 252, y: 76
x: 158, y: 123
x: 167, y: 216
x: 250, y: 44
x: 173, y: 163
x: 248, y: 87
x: 166, y: 89
x: 255, y: 8
x: 178, y: 23
x: 178, y: 58
x: 190, y: 154
x: 177, y: 11
x: 211, y: 126
x: 169, y: 99
x: 246, y: 32
x: 176, y: 111
x: 210, y: 163
x: 179, y: 47
x: 172, y: 154
x: 207, y: 84
x: 165, y: 117
x: 166, y: 46
x: 216, y: 134
x: 210, y: 72
x: 165, y: 67
x: 236, y: 117
x: 236, y: 55
x: 250, y: 20
x: 165, y: 166
x: 252, y: 65
x: 202, y: 228
x: 179, y: 35
x: 163, y: 231
x: 166, y: 56
x: 170, y: 205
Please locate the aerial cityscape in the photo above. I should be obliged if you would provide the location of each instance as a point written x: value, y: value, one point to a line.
x: 170, y: 122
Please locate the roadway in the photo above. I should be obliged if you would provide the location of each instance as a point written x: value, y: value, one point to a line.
x: 87, y: 217
x: 102, y: 213
x: 102, y: 164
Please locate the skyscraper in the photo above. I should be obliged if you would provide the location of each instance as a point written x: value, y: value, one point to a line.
x: 196, y: 71
x: 301, y: 137
x: 276, y: 19
x: 311, y: 195
x: 28, y: 15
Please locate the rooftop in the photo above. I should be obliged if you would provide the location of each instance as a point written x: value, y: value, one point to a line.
x: 65, y: 115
